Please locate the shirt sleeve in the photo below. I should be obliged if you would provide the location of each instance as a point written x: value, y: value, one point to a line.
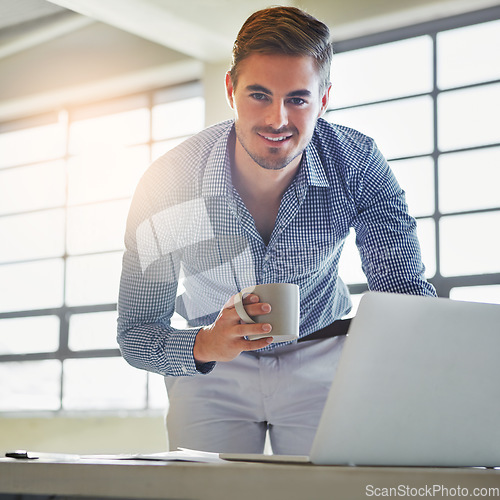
x: 386, y: 233
x: 148, y: 290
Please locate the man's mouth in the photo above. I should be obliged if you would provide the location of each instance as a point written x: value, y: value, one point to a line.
x: 277, y: 139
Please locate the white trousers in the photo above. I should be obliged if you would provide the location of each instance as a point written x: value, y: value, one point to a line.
x: 232, y: 408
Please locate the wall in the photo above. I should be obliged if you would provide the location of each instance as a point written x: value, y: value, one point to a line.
x: 84, y: 434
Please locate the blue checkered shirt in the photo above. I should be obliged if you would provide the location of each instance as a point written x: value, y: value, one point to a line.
x: 191, y: 243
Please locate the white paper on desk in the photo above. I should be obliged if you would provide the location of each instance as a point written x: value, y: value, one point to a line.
x: 181, y: 454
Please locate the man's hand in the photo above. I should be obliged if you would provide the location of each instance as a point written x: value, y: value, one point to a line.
x: 224, y: 339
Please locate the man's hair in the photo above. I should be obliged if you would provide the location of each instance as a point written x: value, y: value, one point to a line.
x: 288, y: 31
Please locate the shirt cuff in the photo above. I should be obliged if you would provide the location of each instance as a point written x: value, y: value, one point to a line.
x: 180, y: 354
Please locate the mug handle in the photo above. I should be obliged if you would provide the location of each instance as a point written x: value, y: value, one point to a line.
x: 240, y: 308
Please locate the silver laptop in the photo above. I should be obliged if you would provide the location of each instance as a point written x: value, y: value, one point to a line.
x: 418, y: 384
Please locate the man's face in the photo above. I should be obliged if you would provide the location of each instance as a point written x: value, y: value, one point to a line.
x: 276, y: 102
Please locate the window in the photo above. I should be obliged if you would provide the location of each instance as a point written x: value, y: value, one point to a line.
x: 66, y: 182
x: 430, y: 96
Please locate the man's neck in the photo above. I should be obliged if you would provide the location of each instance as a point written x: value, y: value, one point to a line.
x: 261, y: 189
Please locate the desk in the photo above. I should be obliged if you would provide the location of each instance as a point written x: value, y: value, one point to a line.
x: 238, y: 481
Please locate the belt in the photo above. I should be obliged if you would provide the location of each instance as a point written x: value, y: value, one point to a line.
x: 335, y: 329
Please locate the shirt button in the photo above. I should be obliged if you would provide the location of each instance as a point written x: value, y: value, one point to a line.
x: 266, y: 257
x: 184, y: 369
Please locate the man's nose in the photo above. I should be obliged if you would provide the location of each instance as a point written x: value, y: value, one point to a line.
x: 277, y: 115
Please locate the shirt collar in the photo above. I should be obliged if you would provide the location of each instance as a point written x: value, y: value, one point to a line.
x: 217, y: 176
x: 312, y: 168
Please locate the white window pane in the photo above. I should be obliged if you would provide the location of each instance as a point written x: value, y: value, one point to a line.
x: 103, y: 175
x: 93, y: 279
x: 33, y: 285
x: 416, y: 177
x: 470, y: 244
x: 350, y: 262
x: 400, y: 128
x: 110, y: 131
x: 95, y: 228
x: 469, y: 117
x: 102, y: 383
x: 157, y: 392
x: 485, y: 293
x: 45, y: 143
x: 33, y: 187
x: 381, y: 72
x: 30, y: 385
x: 426, y: 232
x: 468, y: 55
x: 160, y: 148
x: 350, y: 269
x: 178, y: 118
x: 32, y: 334
x: 177, y: 321
x: 31, y: 236
x: 93, y: 331
x: 469, y: 180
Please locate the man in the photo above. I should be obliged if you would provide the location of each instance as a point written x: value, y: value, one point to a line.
x: 268, y: 197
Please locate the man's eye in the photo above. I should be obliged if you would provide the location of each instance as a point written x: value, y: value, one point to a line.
x: 297, y: 101
x: 258, y: 96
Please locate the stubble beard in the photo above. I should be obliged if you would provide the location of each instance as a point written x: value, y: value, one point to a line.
x: 267, y: 162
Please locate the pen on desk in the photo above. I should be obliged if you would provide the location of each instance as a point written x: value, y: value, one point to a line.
x: 20, y: 454
x: 33, y: 455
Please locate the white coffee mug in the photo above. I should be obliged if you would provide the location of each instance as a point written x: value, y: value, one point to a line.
x: 284, y: 317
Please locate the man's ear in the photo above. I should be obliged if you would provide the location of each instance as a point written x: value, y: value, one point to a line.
x: 229, y: 90
x: 325, y: 100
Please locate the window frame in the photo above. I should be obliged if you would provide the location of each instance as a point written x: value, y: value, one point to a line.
x: 68, y: 115
x: 443, y: 284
